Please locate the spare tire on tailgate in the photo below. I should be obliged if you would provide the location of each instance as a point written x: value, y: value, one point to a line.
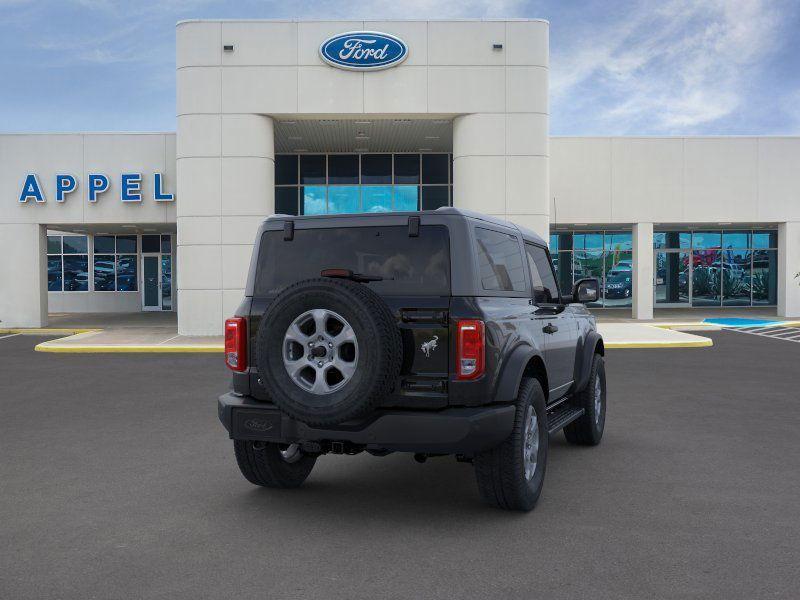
x: 327, y: 350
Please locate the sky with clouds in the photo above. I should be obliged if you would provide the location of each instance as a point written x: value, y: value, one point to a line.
x: 668, y: 67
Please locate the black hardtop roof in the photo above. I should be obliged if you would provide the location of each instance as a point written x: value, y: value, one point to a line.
x: 445, y: 210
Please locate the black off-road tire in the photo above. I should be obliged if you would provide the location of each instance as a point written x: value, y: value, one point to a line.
x: 380, y: 350
x: 587, y: 430
x: 501, y: 471
x: 262, y: 464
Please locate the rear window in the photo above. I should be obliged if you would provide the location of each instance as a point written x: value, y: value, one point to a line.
x: 410, y: 266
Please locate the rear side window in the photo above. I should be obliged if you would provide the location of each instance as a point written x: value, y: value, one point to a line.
x: 410, y: 266
x: 545, y: 290
x: 500, y: 261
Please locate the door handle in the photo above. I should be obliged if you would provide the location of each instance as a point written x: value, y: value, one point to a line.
x: 550, y: 328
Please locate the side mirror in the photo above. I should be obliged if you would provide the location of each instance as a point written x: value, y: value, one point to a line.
x: 586, y: 290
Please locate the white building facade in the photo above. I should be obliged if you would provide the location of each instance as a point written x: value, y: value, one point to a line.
x: 270, y: 119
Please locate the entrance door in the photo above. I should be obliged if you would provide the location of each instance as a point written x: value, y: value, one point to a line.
x: 151, y: 276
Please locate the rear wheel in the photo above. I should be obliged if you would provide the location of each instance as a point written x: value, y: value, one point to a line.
x: 511, y: 475
x: 273, y: 465
x: 588, y: 429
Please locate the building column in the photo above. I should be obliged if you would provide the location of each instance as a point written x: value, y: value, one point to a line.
x: 23, y: 271
x: 789, y: 269
x: 501, y: 167
x: 642, y: 276
x: 226, y: 180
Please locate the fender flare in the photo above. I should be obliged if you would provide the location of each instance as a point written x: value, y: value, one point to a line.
x: 593, y: 344
x: 513, y: 369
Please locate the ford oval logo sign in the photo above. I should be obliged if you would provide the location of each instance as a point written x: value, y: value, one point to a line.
x: 363, y: 50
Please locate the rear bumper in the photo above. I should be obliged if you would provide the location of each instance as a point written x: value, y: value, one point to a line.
x: 448, y: 431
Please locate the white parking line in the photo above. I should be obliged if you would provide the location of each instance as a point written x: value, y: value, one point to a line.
x: 790, y: 334
x: 2, y: 337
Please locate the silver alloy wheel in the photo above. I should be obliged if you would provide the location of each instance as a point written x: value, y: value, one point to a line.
x: 531, y: 438
x: 291, y: 453
x: 320, y: 351
x: 598, y: 399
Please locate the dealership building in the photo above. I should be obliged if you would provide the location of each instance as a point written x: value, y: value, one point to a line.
x: 357, y: 116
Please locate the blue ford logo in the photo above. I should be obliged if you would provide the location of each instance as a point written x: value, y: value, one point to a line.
x: 363, y: 50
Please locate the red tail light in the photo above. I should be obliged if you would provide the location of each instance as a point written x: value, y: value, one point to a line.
x: 470, y: 350
x: 236, y: 343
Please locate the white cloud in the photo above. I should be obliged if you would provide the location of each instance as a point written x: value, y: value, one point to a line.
x: 669, y: 69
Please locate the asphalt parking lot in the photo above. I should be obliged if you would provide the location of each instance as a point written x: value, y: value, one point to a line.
x: 117, y: 481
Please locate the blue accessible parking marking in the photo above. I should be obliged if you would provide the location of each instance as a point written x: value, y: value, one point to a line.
x: 742, y: 322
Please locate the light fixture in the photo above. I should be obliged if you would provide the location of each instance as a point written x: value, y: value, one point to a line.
x: 728, y: 223
x: 301, y: 150
x: 128, y: 226
x: 426, y: 149
x: 497, y: 46
x: 402, y: 121
x: 361, y: 150
x: 228, y: 47
x: 432, y: 137
x: 363, y: 122
x: 288, y: 122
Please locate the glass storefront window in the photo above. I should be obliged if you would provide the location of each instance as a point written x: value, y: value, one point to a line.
x: 343, y: 168
x: 347, y: 183
x: 705, y: 240
x: 377, y: 198
x: 706, y: 277
x: 726, y: 277
x: 434, y: 168
x: 736, y: 239
x: 406, y: 168
x: 736, y: 277
x: 54, y: 273
x: 104, y: 244
x: 126, y: 273
x: 405, y: 197
x: 588, y: 241
x: 376, y: 168
x: 672, y: 278
x: 434, y: 196
x: 54, y: 244
x: 286, y: 169
x: 104, y: 272
x: 67, y: 263
x: 314, y: 200
x: 343, y: 199
x: 672, y: 239
x: 126, y: 244
x: 151, y: 243
x: 618, y: 286
x: 75, y: 244
x: 765, y: 239
x: 312, y: 168
x: 76, y: 273
x: 166, y: 244
x: 765, y: 277
x: 618, y: 241
x: 286, y: 200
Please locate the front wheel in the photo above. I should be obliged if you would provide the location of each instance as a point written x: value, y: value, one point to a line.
x: 511, y: 475
x: 273, y: 465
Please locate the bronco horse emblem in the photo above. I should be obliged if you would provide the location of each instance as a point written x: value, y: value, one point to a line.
x: 429, y: 346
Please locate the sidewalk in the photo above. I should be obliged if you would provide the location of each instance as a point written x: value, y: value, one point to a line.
x: 158, y: 332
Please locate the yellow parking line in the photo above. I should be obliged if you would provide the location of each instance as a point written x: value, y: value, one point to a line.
x: 46, y: 331
x: 100, y: 349
x: 704, y: 343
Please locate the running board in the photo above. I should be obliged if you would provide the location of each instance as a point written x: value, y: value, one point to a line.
x: 561, y: 416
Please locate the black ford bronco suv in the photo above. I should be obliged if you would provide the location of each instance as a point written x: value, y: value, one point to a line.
x: 436, y: 333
